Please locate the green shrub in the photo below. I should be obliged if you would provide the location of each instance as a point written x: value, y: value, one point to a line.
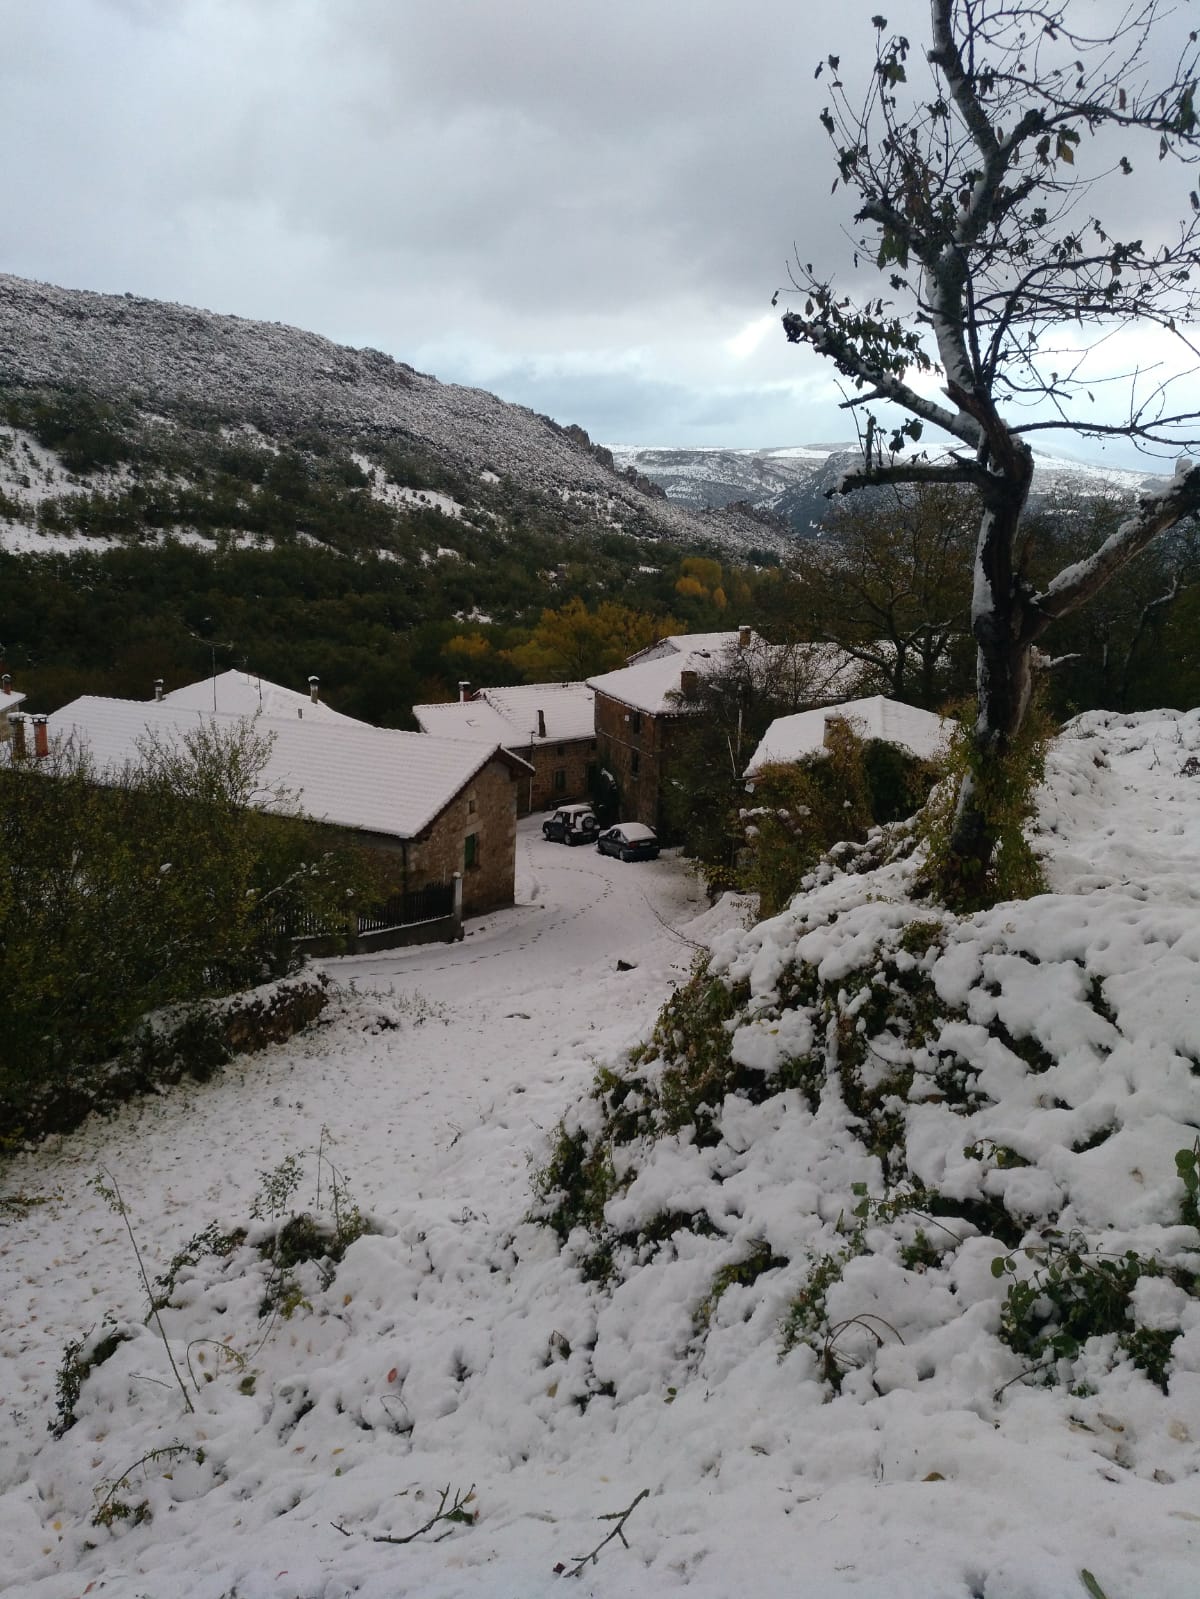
x: 1075, y: 1293
x: 1005, y: 790
x: 162, y: 886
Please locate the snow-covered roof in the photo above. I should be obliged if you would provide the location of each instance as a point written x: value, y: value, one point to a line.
x: 652, y: 679
x: 569, y: 709
x: 689, y: 644
x: 510, y: 715
x: 11, y: 700
x: 653, y: 675
x: 791, y: 738
x: 464, y: 719
x: 372, y: 779
x: 247, y: 694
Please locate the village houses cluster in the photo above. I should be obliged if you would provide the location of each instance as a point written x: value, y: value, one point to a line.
x: 442, y: 804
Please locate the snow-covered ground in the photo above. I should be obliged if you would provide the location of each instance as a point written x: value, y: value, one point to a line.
x: 460, y: 1346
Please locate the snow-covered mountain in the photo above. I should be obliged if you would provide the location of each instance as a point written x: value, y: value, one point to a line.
x: 791, y: 483
x: 164, y: 360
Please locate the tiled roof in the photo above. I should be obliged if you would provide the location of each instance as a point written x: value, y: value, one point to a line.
x: 652, y: 680
x: 245, y: 694
x: 791, y: 738
x: 369, y: 778
x: 469, y: 719
x: 687, y: 643
x: 510, y: 715
x: 569, y: 709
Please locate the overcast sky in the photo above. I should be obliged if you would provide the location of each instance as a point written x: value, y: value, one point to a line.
x: 583, y: 205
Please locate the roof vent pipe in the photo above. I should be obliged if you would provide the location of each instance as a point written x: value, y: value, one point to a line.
x: 314, y: 689
x: 158, y: 688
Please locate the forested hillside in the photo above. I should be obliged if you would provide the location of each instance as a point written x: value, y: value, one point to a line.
x: 180, y: 491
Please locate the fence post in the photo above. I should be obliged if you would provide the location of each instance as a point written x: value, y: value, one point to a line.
x: 458, y: 910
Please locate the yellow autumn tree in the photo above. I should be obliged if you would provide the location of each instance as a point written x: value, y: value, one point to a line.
x: 574, y: 642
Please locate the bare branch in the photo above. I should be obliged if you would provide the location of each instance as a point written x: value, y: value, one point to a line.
x: 620, y: 1517
x: 872, y: 474
x: 1076, y: 584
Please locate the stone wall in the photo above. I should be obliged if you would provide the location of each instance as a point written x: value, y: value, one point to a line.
x: 634, y: 746
x: 545, y: 791
x: 485, y: 810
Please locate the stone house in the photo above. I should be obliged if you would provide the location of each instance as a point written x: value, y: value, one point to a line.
x: 428, y: 808
x: 641, y: 707
x: 549, y: 725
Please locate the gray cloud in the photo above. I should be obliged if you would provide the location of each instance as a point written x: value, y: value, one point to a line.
x: 579, y: 205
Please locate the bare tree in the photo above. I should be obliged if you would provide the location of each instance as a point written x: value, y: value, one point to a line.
x: 979, y: 193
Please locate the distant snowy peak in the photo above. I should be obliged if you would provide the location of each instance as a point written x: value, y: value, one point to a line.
x: 280, y: 379
x: 791, y: 482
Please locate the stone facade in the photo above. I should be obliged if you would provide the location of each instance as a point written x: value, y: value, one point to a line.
x: 486, y: 810
x: 562, y: 774
x: 475, y: 834
x: 636, y: 748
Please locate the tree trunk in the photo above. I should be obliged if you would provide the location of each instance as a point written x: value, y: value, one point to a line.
x: 1000, y: 622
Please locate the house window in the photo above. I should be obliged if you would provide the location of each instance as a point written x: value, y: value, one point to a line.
x: 635, y: 722
x: 470, y: 851
x: 560, y: 780
x: 470, y: 804
x: 635, y: 763
x: 560, y: 749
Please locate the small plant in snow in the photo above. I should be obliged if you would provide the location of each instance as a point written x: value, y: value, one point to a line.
x: 110, y: 1192
x: 112, y: 1506
x: 1187, y: 1164
x: 1074, y: 1293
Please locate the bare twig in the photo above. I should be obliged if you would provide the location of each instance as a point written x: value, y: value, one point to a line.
x: 620, y: 1517
x: 111, y: 1194
x: 458, y: 1511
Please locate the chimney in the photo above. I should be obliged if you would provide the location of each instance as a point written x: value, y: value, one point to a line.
x: 541, y: 723
x: 6, y: 684
x: 314, y: 690
x: 689, y: 684
x: 17, y: 723
x: 834, y: 723
x: 743, y: 637
x: 41, y: 737
x: 464, y: 691
x: 158, y: 688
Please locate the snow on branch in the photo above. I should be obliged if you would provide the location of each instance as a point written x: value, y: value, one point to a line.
x: 1076, y: 584
x: 872, y: 474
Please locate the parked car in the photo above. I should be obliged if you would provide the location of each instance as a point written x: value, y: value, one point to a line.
x: 632, y: 841
x: 571, y: 824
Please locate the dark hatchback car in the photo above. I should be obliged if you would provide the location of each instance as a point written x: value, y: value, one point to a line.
x: 631, y: 841
x: 571, y: 824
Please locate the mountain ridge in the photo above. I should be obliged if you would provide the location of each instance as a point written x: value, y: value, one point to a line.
x: 792, y: 482
x: 155, y: 353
